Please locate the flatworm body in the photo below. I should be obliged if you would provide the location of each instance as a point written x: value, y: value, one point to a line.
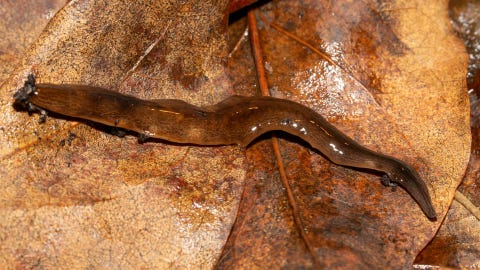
x: 236, y: 120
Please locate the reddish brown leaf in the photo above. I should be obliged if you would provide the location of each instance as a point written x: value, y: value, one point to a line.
x: 389, y: 89
x: 235, y: 5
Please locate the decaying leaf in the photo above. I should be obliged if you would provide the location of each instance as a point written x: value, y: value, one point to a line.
x: 388, y: 89
x: 457, y: 243
x: 389, y: 74
x: 95, y: 200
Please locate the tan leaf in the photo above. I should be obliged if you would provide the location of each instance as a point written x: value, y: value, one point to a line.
x: 75, y: 196
x: 457, y: 243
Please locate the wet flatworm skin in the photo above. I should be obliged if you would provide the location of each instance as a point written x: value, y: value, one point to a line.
x: 236, y: 120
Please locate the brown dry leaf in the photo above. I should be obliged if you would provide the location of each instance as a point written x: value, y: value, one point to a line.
x: 397, y: 87
x: 76, y: 197
x: 95, y: 200
x: 457, y: 243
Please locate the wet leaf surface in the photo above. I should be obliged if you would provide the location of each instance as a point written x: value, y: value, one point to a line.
x: 76, y: 196
x: 379, y: 92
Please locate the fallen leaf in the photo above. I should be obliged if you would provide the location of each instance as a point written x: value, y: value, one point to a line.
x: 235, y: 5
x: 75, y: 196
x: 457, y: 243
x: 395, y: 85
